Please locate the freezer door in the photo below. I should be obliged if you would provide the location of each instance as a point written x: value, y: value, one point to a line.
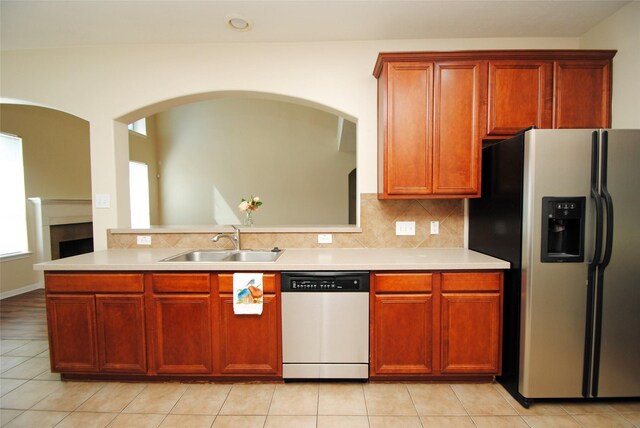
x: 554, y: 295
x: 618, y: 374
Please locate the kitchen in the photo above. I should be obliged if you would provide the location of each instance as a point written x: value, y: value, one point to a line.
x: 208, y: 75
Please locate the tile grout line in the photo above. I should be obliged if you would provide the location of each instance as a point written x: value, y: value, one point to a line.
x: 269, y: 408
x: 366, y: 408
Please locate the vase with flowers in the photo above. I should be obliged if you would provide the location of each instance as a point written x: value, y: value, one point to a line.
x: 248, y: 206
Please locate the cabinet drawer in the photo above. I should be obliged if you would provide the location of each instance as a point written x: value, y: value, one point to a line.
x: 94, y: 282
x: 403, y: 283
x: 225, y: 283
x: 471, y: 281
x: 180, y: 282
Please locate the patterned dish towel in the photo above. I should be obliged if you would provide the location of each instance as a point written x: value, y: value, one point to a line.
x: 247, y: 293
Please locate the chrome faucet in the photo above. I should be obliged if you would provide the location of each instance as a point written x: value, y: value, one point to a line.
x: 234, y: 237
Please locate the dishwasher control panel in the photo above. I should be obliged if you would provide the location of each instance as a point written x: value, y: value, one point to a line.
x: 324, y: 281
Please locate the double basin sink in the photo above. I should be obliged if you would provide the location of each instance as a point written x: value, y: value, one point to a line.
x: 249, y: 256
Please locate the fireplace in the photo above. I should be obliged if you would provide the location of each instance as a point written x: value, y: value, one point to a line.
x: 71, y: 239
x: 63, y: 227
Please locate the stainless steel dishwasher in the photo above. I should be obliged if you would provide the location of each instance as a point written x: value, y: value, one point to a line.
x: 325, y: 325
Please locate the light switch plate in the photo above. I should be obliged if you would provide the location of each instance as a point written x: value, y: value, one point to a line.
x: 405, y: 228
x: 103, y: 200
x: 143, y: 240
x: 435, y: 227
x: 325, y: 238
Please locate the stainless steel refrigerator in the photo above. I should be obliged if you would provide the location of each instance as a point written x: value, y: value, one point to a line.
x: 563, y: 207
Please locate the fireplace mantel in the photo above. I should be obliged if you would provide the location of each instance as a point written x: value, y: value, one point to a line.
x: 51, y: 212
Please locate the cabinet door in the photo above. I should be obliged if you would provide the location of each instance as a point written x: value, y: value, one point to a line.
x: 582, y: 94
x: 121, y: 336
x: 72, y: 333
x: 402, y: 334
x: 250, y: 344
x: 520, y: 95
x: 182, y: 327
x: 406, y: 129
x: 459, y: 94
x: 471, y: 333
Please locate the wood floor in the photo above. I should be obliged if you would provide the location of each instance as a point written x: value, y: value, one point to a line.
x: 24, y: 317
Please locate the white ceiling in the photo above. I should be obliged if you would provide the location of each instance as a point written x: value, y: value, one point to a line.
x: 26, y: 24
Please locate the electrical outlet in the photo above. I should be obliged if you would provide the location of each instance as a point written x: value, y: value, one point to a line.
x: 435, y: 227
x: 325, y: 238
x: 405, y: 228
x: 103, y: 200
x: 143, y: 240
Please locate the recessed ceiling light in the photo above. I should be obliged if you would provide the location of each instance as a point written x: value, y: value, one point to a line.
x: 238, y: 23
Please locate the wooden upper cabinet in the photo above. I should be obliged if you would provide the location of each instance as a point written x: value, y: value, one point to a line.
x: 429, y: 118
x: 582, y: 94
x: 406, y: 158
x: 459, y: 94
x: 520, y: 95
x: 435, y: 109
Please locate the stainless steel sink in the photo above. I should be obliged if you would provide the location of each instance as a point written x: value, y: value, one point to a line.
x: 200, y: 256
x: 226, y: 256
x: 254, y: 256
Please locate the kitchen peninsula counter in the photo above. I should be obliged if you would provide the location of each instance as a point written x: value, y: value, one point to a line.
x: 180, y: 323
x: 397, y: 259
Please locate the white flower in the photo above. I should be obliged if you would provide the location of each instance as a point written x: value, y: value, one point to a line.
x: 256, y: 199
x: 244, y: 205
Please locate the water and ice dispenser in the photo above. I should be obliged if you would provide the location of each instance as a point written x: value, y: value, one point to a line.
x: 562, y: 229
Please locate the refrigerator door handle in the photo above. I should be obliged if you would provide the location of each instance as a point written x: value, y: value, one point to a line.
x: 608, y: 202
x: 597, y: 198
x: 593, y: 265
x: 608, y: 250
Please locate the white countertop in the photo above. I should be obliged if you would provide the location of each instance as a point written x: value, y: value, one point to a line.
x: 301, y: 259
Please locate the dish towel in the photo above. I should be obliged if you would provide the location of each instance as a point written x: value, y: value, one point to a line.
x: 247, y: 293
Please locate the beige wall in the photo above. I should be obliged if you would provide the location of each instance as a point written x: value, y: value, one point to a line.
x: 213, y: 153
x: 106, y: 87
x: 55, y: 151
x: 336, y: 74
x: 621, y: 31
x: 56, y: 166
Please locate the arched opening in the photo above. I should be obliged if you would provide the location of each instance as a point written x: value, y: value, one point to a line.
x: 206, y: 152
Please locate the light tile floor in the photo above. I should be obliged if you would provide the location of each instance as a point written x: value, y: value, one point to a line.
x: 31, y: 396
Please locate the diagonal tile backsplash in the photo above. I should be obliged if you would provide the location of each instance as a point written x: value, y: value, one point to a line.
x: 377, y: 223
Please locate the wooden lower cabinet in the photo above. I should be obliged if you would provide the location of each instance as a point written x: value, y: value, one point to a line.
x: 182, y: 332
x: 72, y: 333
x: 424, y: 325
x: 436, y: 325
x: 471, y: 333
x: 97, y: 333
x: 121, y: 337
x: 250, y: 344
x: 402, y: 334
x: 471, y: 322
x: 167, y: 325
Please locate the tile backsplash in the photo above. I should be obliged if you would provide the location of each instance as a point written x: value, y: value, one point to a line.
x: 377, y: 224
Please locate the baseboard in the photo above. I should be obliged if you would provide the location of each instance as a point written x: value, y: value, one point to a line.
x: 20, y: 290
